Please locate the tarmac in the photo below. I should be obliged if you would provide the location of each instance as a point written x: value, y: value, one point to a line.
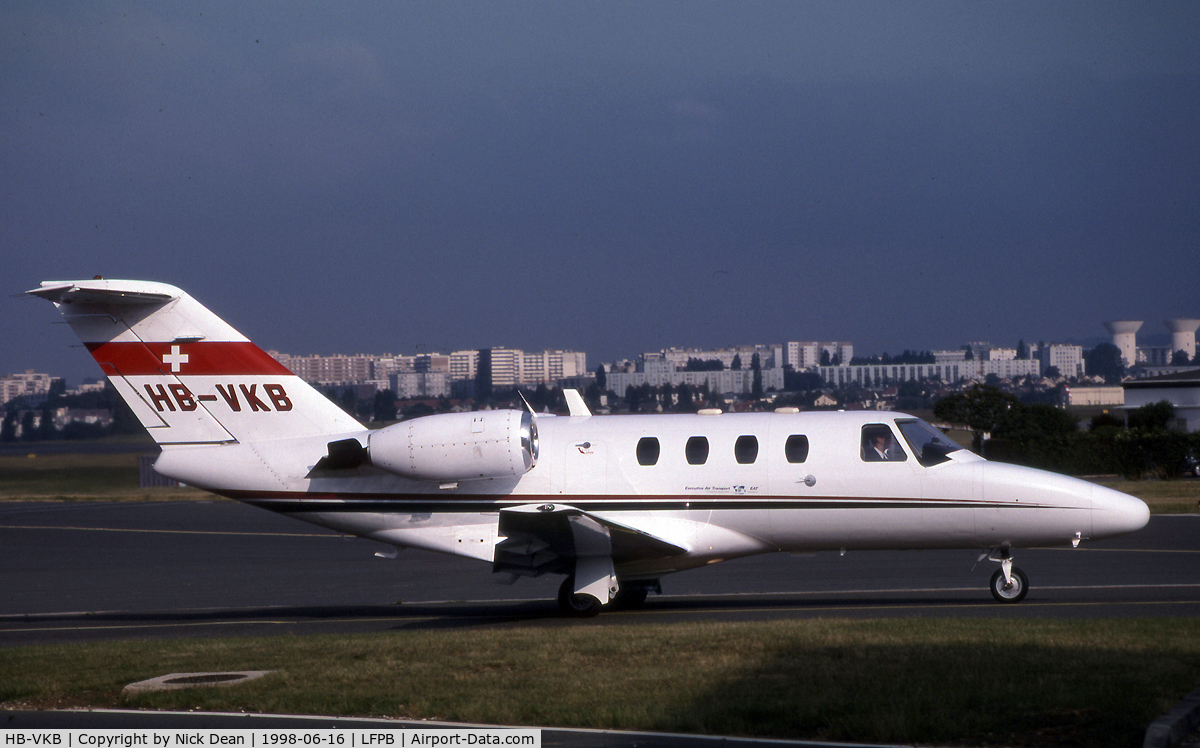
x: 94, y: 571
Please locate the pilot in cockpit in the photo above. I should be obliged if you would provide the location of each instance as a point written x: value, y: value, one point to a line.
x: 878, y: 447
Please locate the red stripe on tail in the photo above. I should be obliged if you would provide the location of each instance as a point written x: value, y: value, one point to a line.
x: 185, y: 359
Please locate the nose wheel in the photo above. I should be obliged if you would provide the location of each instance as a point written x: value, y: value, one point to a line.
x: 1009, y: 590
x: 1009, y: 584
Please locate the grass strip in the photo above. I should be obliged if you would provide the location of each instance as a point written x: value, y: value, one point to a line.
x: 1162, y: 496
x: 930, y: 681
x: 81, y: 477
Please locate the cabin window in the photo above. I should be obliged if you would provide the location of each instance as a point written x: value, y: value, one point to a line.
x: 878, y: 445
x: 647, y: 450
x: 696, y: 450
x: 796, y: 448
x: 745, y: 449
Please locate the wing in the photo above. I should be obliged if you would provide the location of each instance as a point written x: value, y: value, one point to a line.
x: 549, y: 538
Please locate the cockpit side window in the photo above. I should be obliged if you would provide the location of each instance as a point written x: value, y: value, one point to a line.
x: 929, y: 445
x: 879, y: 446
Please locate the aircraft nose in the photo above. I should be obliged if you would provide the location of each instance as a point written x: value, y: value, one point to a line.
x: 1115, y: 513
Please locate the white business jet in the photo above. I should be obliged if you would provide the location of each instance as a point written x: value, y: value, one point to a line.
x: 611, y: 502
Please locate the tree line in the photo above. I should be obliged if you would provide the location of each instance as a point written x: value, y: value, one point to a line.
x: 28, y: 424
x: 1036, y: 434
x: 1048, y: 437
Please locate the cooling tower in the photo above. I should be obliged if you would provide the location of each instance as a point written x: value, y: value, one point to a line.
x: 1183, y: 335
x: 1124, y: 336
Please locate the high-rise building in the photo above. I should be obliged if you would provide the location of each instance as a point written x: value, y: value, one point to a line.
x: 1068, y: 359
x: 29, y: 384
x: 551, y: 366
x: 805, y: 355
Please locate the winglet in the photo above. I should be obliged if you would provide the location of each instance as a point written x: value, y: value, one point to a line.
x: 575, y: 404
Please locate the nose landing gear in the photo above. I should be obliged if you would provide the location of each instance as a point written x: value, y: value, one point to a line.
x: 1009, y: 584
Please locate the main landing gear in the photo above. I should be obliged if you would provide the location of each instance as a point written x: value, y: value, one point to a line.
x: 582, y: 605
x: 1009, y: 584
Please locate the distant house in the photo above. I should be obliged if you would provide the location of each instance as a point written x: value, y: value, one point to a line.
x: 1181, y: 390
x: 95, y: 417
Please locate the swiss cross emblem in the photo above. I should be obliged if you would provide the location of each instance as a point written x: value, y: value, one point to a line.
x: 175, y: 359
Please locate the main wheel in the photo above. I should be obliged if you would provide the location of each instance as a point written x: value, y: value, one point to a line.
x: 629, y: 598
x: 578, y: 605
x: 1010, y: 592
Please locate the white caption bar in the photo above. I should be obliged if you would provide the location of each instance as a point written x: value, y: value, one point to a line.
x: 401, y: 738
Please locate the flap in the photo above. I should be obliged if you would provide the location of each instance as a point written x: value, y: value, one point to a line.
x: 544, y: 538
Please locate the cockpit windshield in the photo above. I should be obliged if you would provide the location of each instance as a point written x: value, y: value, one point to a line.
x: 927, y: 443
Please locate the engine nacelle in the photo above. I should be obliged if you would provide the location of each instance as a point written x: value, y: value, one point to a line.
x: 458, y: 446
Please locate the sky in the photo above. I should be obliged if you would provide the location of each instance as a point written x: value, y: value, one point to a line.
x: 612, y: 177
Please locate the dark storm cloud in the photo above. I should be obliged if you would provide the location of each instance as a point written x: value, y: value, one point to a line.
x: 609, y: 177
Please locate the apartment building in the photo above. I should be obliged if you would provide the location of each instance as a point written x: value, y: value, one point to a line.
x: 806, y: 355
x: 29, y: 384
x: 769, y: 356
x: 548, y: 367
x: 727, y: 381
x: 512, y: 367
x: 1068, y: 359
x: 335, y: 370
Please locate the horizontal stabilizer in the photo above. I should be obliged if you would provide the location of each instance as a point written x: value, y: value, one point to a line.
x: 123, y: 293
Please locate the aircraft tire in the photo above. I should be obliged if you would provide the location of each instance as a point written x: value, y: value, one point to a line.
x: 1010, y: 593
x: 630, y: 598
x: 579, y: 606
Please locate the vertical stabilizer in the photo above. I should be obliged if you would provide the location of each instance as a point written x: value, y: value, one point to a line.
x: 188, y: 376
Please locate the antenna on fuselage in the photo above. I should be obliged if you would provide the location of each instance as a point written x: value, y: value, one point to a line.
x: 528, y: 407
x: 575, y: 404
